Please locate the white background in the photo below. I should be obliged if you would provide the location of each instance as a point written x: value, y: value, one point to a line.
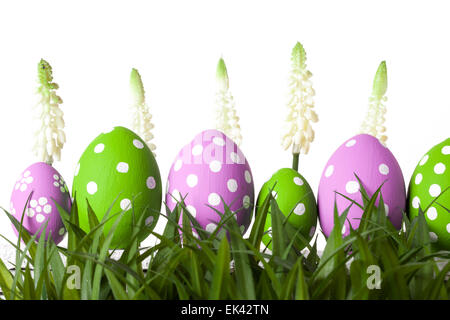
x: 92, y: 46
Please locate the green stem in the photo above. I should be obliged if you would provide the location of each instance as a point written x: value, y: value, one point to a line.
x: 295, y: 157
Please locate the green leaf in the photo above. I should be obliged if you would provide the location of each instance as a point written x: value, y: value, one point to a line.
x: 116, y: 286
x: 221, y: 271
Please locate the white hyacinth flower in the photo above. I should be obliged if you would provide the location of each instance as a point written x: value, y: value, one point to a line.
x: 374, y: 122
x: 227, y: 120
x: 141, y: 117
x: 49, y: 127
x: 298, y: 130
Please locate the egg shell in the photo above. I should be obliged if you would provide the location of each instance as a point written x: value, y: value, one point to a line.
x: 46, y: 187
x: 294, y: 198
x: 118, y: 167
x: 209, y: 167
x: 431, y: 178
x: 374, y: 164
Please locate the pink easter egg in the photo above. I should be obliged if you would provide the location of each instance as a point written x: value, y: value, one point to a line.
x: 207, y: 169
x: 46, y: 187
x: 374, y: 164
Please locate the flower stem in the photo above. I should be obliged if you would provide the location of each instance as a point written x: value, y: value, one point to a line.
x: 295, y: 157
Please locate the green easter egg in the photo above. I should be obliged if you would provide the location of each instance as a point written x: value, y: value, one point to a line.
x: 295, y: 199
x: 118, y: 169
x: 431, y: 179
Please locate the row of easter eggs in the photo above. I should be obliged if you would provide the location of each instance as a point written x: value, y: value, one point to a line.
x: 118, y: 173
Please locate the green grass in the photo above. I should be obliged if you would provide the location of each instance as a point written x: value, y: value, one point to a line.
x: 224, y: 265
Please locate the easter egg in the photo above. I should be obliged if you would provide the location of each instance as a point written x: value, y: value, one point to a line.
x: 431, y: 182
x: 118, y: 170
x: 207, y: 169
x: 373, y: 163
x: 295, y: 200
x: 46, y: 187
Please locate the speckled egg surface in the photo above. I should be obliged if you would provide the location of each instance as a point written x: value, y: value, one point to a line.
x: 431, y: 179
x: 212, y: 166
x: 295, y: 199
x: 118, y: 167
x: 374, y: 164
x: 46, y: 187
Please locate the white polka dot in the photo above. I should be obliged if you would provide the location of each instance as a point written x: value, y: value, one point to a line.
x: 235, y: 157
x: 298, y: 181
x: 122, y: 167
x: 47, y: 208
x: 23, y: 187
x: 424, y: 160
x: 197, y: 150
x: 448, y: 228
x: 40, y: 218
x: 312, y: 231
x: 211, y: 227
x: 350, y: 143
x: 192, y: 211
x: 248, y: 176
x: 415, y: 202
x: 215, y: 166
x: 432, y: 213
x: 274, y: 194
x: 329, y: 171
x: 439, y: 168
x: 29, y: 180
x: 433, y: 237
x: 434, y: 190
x: 219, y: 141
x: 299, y: 209
x: 383, y: 169
x: 149, y: 221
x: 99, y: 148
x: 344, y: 229
x: 213, y: 199
x: 77, y: 169
x: 42, y: 200
x: 62, y: 189
x: 151, y: 183
x: 30, y: 212
x: 419, y: 178
x: 352, y: 187
x: 38, y: 209
x: 26, y: 173
x: 125, y: 204
x: 138, y: 144
x: 232, y: 185
x: 175, y: 196
x: 178, y: 165
x: 33, y: 203
x: 386, y: 209
x: 56, y: 184
x: 446, y: 150
x: 91, y: 187
x: 61, y: 231
x: 55, y: 177
x: 192, y: 180
x: 246, y: 202
x: 17, y: 185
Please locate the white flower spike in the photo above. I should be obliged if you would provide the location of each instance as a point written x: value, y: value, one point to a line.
x: 374, y: 122
x: 298, y: 131
x: 49, y: 133
x: 226, y: 119
x: 141, y: 117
